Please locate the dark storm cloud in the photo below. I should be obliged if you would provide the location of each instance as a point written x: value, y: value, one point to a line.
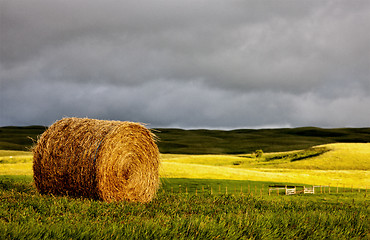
x: 219, y: 64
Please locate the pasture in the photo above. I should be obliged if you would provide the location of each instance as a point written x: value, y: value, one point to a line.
x: 338, y: 165
x: 204, y: 196
x: 25, y: 214
x: 344, y: 164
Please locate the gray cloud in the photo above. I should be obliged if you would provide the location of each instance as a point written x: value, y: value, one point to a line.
x: 218, y: 64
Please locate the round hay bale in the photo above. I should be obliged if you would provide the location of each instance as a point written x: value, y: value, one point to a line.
x: 108, y: 160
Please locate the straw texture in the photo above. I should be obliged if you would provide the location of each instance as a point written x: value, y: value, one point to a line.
x: 108, y: 160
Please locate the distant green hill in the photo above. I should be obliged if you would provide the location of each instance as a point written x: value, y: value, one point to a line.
x: 19, y: 138
x: 249, y: 140
x: 215, y: 141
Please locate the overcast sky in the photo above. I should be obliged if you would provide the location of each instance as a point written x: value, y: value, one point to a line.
x: 190, y: 64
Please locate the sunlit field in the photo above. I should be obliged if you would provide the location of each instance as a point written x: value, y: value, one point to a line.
x: 338, y: 156
x: 340, y: 164
x: 203, y: 197
x: 344, y: 164
x: 15, y: 162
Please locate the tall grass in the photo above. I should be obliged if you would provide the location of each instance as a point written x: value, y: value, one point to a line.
x: 24, y: 214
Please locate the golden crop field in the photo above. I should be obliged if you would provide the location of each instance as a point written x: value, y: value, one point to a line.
x: 344, y: 164
x: 15, y: 162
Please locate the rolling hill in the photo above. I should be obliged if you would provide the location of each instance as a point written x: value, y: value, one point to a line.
x: 202, y: 141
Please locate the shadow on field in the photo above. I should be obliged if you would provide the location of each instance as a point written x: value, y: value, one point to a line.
x: 17, y: 184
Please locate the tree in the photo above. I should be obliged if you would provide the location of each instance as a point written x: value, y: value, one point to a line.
x: 258, y: 153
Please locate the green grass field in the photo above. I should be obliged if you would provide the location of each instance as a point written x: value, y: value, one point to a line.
x: 204, y: 197
x: 173, y: 214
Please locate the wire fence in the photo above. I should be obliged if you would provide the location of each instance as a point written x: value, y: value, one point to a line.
x: 262, y: 190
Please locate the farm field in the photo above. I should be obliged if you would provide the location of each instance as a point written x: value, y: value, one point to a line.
x: 204, y: 196
x: 344, y: 164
